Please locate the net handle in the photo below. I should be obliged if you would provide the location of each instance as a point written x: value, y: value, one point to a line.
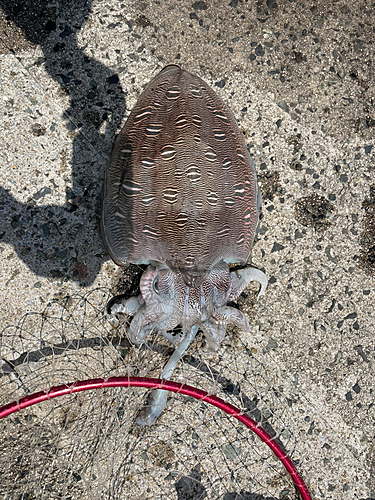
x: 153, y: 383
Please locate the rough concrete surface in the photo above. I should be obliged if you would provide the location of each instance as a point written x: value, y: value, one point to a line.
x: 299, y: 78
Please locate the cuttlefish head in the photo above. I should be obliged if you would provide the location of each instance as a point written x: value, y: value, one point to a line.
x: 167, y: 301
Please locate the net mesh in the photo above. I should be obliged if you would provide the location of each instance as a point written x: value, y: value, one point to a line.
x: 88, y: 445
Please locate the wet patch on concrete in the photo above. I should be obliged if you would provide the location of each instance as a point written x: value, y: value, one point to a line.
x: 367, y: 255
x: 270, y: 185
x: 314, y: 211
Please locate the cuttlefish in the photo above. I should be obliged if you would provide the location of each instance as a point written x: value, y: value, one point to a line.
x: 181, y: 195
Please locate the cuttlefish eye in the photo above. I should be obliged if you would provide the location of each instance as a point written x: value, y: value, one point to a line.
x: 155, y: 285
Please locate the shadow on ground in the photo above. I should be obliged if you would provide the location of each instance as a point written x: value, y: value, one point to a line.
x: 63, y: 241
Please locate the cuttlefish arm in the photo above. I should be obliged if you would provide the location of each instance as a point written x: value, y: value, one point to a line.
x: 242, y: 278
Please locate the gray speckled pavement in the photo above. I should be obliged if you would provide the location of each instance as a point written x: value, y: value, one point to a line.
x: 299, y: 78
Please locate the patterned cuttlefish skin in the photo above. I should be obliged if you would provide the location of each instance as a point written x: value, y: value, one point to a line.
x: 181, y: 194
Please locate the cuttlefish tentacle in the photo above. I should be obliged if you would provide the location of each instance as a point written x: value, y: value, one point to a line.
x: 157, y: 400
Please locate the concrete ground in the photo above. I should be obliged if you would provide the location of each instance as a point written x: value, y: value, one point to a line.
x: 299, y: 78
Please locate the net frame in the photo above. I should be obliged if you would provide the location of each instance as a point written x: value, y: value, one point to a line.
x: 151, y: 383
